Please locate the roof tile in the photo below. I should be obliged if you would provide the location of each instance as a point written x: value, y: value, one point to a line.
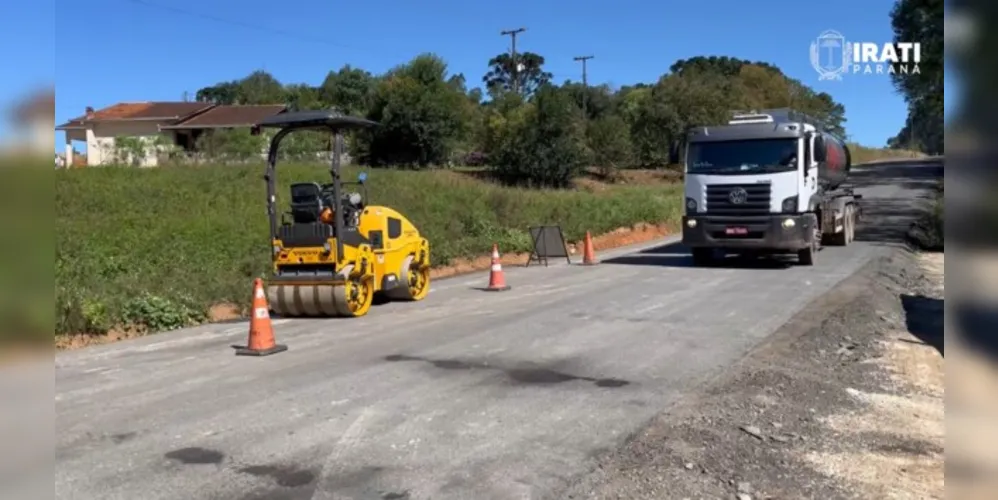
x: 231, y: 116
x: 141, y: 110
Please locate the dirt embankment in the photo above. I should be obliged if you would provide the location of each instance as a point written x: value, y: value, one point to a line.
x: 639, y: 233
x: 845, y: 401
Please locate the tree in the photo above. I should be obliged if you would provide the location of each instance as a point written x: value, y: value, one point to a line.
x: 529, y: 78
x: 221, y: 93
x: 302, y: 96
x: 261, y: 87
x: 759, y: 87
x: 609, y: 141
x: 722, y: 65
x: 922, y: 21
x: 349, y: 90
x: 429, y: 117
x: 674, y: 104
x: 543, y: 145
x: 596, y: 100
x: 422, y: 115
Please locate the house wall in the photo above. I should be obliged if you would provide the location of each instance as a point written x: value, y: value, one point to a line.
x: 101, y: 144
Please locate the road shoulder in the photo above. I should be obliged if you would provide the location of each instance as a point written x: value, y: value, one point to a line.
x: 844, y: 401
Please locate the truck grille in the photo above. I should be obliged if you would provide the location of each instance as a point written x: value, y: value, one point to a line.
x: 757, y: 201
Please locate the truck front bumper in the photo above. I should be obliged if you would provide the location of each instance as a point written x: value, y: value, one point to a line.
x: 776, y: 232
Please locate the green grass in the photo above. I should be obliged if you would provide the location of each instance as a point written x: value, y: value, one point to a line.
x: 26, y: 258
x: 863, y: 154
x: 157, y: 247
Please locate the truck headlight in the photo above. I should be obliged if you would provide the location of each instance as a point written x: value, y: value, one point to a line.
x: 327, y: 248
x: 691, y: 205
x: 790, y: 205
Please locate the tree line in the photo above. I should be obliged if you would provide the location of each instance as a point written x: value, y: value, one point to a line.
x: 523, y: 126
x: 921, y: 21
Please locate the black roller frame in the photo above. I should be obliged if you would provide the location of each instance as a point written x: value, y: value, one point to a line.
x: 314, y: 120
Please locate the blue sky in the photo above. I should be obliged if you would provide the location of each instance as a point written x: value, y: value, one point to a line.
x: 120, y: 50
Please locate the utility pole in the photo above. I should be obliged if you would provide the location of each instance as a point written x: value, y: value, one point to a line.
x: 516, y: 66
x: 585, y: 84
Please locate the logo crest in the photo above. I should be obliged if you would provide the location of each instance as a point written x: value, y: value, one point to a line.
x: 830, y: 55
x: 738, y: 196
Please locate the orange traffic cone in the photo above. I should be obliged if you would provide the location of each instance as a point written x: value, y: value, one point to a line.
x: 588, y: 253
x: 497, y: 280
x: 261, y: 332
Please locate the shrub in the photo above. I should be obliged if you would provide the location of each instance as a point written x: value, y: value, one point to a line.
x: 610, y: 146
x: 545, y: 147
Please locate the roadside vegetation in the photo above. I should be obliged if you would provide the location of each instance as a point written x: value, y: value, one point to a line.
x: 927, y: 232
x: 864, y: 154
x: 156, y: 248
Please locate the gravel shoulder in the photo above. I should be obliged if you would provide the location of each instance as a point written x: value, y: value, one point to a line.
x: 844, y: 401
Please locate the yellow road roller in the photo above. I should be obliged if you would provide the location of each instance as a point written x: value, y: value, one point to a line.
x: 332, y: 252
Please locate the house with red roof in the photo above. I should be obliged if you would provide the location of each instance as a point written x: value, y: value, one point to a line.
x: 149, y: 126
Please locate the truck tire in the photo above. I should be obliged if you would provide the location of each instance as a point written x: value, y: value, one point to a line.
x: 703, y: 257
x: 850, y: 223
x: 805, y: 256
x: 841, y: 239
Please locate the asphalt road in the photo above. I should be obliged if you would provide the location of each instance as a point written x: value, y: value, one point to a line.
x: 468, y: 394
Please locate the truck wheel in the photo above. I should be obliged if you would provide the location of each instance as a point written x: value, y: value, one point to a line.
x: 841, y: 239
x: 806, y: 255
x: 703, y: 257
x: 850, y: 224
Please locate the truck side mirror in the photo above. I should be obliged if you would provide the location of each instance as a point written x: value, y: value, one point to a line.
x: 819, y: 149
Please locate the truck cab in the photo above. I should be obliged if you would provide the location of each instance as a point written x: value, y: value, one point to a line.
x: 765, y: 183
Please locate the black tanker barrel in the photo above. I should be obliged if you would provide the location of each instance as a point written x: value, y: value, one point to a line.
x: 838, y: 162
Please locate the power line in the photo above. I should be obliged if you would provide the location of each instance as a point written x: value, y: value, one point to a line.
x: 258, y: 27
x: 516, y: 67
x: 296, y: 35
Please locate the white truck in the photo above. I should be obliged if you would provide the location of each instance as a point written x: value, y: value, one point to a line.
x: 768, y: 182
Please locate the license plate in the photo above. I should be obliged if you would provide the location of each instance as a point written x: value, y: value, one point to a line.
x: 739, y: 231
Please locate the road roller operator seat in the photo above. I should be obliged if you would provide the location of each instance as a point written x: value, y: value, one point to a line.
x: 306, y: 227
x: 306, y: 202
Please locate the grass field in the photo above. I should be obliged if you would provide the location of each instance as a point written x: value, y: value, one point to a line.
x: 157, y: 247
x: 863, y: 154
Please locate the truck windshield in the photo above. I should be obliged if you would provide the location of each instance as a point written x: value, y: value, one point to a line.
x: 752, y: 156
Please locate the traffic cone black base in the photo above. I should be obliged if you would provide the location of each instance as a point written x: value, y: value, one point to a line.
x: 245, y: 351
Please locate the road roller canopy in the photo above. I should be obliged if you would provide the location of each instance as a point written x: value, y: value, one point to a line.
x: 317, y: 119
